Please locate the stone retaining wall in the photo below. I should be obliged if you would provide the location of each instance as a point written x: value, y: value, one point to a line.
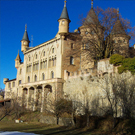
x: 53, y: 120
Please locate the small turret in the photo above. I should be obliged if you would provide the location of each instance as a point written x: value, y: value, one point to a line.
x: 119, y: 38
x: 91, y: 18
x: 25, y: 41
x: 64, y: 21
x: 17, y: 61
x: 4, y: 80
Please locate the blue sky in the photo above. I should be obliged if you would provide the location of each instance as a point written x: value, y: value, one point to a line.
x: 41, y: 18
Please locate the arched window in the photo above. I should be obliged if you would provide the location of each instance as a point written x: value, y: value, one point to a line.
x: 29, y: 58
x: 28, y: 79
x: 20, y: 82
x: 44, y: 53
x: 36, y: 56
x: 35, y: 78
x: 52, y: 74
x: 43, y: 76
x: 71, y: 60
x: 52, y: 50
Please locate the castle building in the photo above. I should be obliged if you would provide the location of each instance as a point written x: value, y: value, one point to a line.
x: 40, y: 77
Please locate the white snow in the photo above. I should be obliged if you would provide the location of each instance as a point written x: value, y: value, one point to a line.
x: 16, y: 133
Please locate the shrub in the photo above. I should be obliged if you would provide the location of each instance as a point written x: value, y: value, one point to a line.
x: 126, y: 63
x: 116, y: 59
x: 121, y: 69
x: 63, y: 106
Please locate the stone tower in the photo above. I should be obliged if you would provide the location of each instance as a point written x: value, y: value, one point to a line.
x: 17, y: 61
x: 119, y: 38
x: 25, y: 41
x: 92, y: 34
x: 64, y: 21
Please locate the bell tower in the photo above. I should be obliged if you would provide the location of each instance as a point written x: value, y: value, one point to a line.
x: 64, y: 21
x: 25, y: 41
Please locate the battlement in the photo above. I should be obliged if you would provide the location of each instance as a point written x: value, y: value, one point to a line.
x: 103, y: 67
x: 78, y: 73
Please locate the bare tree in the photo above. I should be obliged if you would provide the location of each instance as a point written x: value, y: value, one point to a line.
x: 98, y: 32
x: 2, y: 91
x: 119, y: 95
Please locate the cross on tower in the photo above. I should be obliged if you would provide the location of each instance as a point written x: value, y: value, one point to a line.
x: 118, y: 13
x: 91, y: 3
x: 117, y: 10
x: 65, y: 3
x: 25, y: 27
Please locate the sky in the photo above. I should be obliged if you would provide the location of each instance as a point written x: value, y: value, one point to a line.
x: 41, y: 18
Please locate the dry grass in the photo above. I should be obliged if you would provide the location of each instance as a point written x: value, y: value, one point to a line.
x: 97, y: 126
x: 39, y: 128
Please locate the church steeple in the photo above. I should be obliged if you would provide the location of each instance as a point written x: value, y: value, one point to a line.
x: 64, y: 21
x: 25, y: 41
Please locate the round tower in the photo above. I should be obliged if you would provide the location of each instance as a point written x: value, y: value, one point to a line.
x: 17, y: 61
x: 64, y: 21
x: 119, y: 38
x: 25, y: 41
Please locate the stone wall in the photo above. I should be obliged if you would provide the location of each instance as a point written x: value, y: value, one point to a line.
x: 89, y: 87
x: 84, y: 88
x: 53, y: 120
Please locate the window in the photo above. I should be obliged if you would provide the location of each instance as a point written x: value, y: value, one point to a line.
x: 71, y: 60
x: 52, y: 74
x: 53, y: 62
x: 9, y: 85
x: 53, y: 50
x: 35, y: 66
x: 36, y: 56
x: 92, y: 32
x: 28, y: 79
x: 43, y: 76
x: 119, y: 41
x: 124, y: 40
x: 46, y: 64
x: 13, y: 84
x: 86, y: 32
x: 50, y: 63
x: 72, y: 46
x: 35, y: 78
x: 41, y: 64
x: 44, y: 53
x: 20, y: 82
x: 29, y: 58
x: 63, y: 21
